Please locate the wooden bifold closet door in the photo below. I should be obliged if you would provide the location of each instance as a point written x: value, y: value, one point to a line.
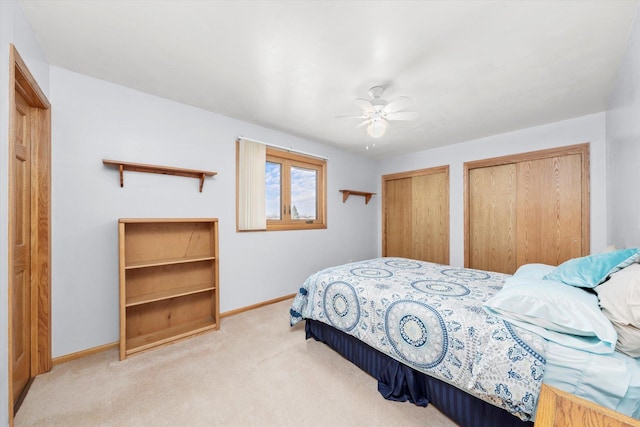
x: 492, y: 218
x: 527, y: 208
x: 415, y: 211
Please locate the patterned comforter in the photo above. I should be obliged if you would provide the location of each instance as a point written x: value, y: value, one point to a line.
x: 430, y: 317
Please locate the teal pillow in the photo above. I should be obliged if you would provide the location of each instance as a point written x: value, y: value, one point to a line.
x: 590, y: 271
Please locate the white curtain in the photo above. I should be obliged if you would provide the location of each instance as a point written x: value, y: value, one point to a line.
x: 252, y: 158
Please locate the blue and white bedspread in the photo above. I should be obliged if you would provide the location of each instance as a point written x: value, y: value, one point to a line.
x: 430, y: 317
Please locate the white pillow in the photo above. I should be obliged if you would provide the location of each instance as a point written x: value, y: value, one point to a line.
x: 628, y: 339
x: 529, y: 271
x: 534, y: 270
x: 620, y: 301
x: 561, y: 313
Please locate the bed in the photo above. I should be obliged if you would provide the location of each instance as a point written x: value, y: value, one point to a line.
x: 432, y: 333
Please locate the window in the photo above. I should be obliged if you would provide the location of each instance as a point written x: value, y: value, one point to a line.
x: 295, y: 191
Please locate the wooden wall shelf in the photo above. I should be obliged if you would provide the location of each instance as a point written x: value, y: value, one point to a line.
x: 164, y: 170
x: 346, y: 193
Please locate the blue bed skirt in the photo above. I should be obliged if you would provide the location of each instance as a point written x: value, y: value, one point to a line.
x: 399, y: 382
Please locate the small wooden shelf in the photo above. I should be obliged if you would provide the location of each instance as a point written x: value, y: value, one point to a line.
x: 168, y: 294
x: 154, y: 339
x: 171, y: 261
x: 346, y: 193
x: 164, y: 170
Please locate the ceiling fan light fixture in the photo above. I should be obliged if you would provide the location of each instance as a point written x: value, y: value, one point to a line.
x: 378, y: 112
x: 377, y: 127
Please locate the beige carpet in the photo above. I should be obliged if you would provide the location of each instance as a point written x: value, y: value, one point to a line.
x: 254, y: 371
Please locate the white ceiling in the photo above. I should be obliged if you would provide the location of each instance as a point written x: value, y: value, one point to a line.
x: 472, y: 68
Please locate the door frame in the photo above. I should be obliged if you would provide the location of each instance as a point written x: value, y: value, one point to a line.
x: 22, y: 81
x: 580, y: 149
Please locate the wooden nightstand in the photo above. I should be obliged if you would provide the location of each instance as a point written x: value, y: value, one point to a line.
x: 558, y: 408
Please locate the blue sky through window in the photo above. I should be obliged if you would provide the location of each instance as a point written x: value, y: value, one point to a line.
x: 303, y: 192
x: 273, y: 180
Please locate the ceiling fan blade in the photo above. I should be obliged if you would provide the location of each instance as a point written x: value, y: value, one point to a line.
x: 351, y: 117
x: 397, y: 104
x: 366, y: 122
x: 402, y: 115
x: 365, y: 104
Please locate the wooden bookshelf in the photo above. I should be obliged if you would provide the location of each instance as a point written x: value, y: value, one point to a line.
x: 168, y: 280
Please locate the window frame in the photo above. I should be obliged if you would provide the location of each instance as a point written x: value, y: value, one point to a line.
x: 287, y: 160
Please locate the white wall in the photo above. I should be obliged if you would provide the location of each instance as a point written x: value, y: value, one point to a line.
x: 576, y: 131
x: 94, y: 120
x: 13, y: 29
x: 623, y: 148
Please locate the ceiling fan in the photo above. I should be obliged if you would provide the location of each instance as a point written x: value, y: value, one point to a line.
x: 377, y: 112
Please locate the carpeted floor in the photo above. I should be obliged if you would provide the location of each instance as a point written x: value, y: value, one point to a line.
x: 254, y: 371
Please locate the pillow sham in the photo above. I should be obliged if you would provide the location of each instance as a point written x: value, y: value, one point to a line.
x: 528, y: 271
x: 628, y: 339
x: 620, y: 302
x: 590, y: 271
x: 533, y: 271
x: 560, y: 313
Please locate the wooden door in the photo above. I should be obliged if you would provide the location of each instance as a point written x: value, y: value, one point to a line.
x: 549, y: 210
x: 415, y: 215
x: 527, y: 208
x: 398, y: 218
x: 20, y: 243
x: 29, y: 231
x: 492, y: 218
x: 430, y: 228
